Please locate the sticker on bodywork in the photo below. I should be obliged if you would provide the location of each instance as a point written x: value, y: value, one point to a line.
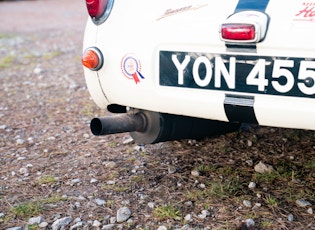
x: 131, y: 67
x: 306, y: 12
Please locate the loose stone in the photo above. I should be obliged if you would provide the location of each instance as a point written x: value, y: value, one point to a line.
x: 302, y: 203
x: 96, y: 223
x: 100, y: 202
x: 61, y: 223
x: 195, y: 173
x: 77, y: 225
x: 162, y: 228
x: 35, y: 220
x: 290, y: 217
x: 123, y: 214
x: 263, y: 168
x: 151, y: 205
x: 247, y: 203
x: 108, y: 227
x: 252, y: 185
x: 188, y: 217
x: 310, y: 211
x: 249, y: 223
x: 93, y: 180
x: 20, y: 141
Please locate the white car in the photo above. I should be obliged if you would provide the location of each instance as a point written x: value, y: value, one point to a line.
x: 188, y: 69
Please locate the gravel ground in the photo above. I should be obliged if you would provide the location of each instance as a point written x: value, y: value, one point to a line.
x: 55, y: 175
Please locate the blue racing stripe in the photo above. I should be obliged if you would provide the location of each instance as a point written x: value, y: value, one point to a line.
x: 259, y: 5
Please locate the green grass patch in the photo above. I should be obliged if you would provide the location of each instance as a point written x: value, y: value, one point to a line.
x: 7, y: 61
x: 27, y: 210
x: 47, y: 180
x: 167, y: 212
x: 51, y: 55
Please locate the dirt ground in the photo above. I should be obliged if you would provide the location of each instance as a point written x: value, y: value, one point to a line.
x: 52, y: 166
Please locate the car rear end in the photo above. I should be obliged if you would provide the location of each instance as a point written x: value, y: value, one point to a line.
x: 230, y: 61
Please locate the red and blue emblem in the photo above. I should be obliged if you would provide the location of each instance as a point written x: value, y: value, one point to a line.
x: 131, y: 67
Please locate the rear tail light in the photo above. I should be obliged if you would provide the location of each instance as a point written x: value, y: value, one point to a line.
x: 99, y: 10
x: 244, y: 27
x: 238, y: 32
x: 92, y: 58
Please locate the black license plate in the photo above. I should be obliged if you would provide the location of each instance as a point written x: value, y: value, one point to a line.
x: 239, y: 73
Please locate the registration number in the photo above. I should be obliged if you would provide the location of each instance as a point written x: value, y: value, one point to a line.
x: 239, y: 73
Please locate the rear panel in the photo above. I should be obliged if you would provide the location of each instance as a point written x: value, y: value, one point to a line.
x: 170, y: 58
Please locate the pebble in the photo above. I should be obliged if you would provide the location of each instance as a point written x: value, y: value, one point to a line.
x: 249, y: 223
x: 61, y: 223
x: 162, y: 228
x: 123, y: 214
x: 109, y: 164
x: 15, y: 228
x: 263, y: 168
x: 195, y: 173
x: 37, y: 70
x: 151, y: 205
x: 250, y: 163
x: 75, y: 181
x: 302, y: 203
x: 77, y: 225
x: 188, y: 217
x: 3, y: 126
x: 96, y: 223
x: 171, y: 169
x: 256, y: 206
x: 204, y: 214
x: 100, y: 202
x: 188, y: 203
x: 247, y: 203
x: 2, y: 215
x: 128, y: 141
x: 43, y: 225
x: 202, y: 186
x: 252, y: 185
x: 23, y: 170
x: 93, y: 180
x: 111, y: 182
x: 20, y: 141
x: 108, y: 227
x: 112, y: 220
x: 35, y: 220
x: 290, y: 217
x: 310, y: 211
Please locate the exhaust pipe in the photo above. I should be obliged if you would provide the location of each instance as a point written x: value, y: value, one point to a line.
x: 147, y: 127
x: 118, y: 124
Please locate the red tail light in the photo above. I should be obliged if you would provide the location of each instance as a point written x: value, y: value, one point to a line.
x: 238, y: 32
x: 99, y: 10
x: 96, y: 8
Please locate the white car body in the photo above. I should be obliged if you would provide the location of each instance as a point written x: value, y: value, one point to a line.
x: 167, y: 56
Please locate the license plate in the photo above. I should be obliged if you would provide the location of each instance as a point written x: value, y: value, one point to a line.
x: 239, y: 73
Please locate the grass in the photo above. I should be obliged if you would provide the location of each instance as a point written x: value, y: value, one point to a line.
x: 51, y: 55
x: 27, y: 210
x: 220, y: 189
x: 47, y: 180
x: 271, y: 201
x: 7, y: 61
x: 167, y: 212
x: 35, y: 207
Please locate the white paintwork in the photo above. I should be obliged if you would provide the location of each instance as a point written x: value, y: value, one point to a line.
x: 142, y: 28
